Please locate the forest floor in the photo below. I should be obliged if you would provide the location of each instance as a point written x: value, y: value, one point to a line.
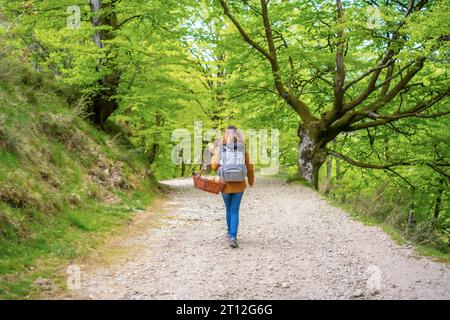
x: 293, y: 245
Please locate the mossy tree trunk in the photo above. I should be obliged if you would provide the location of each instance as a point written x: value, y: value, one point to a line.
x: 312, y: 154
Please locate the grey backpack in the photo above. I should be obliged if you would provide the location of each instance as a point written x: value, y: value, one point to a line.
x: 232, y: 163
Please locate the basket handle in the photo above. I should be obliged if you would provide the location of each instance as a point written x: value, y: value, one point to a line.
x: 202, y: 169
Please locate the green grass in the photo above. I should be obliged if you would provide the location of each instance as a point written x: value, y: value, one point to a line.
x: 296, y: 179
x: 433, y: 253
x: 8, y: 159
x: 71, y: 234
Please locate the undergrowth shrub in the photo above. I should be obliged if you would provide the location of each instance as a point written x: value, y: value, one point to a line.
x: 62, y: 128
x: 10, y: 228
x: 8, y: 141
x: 17, y: 196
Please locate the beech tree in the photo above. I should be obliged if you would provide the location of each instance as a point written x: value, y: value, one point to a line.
x: 369, y: 74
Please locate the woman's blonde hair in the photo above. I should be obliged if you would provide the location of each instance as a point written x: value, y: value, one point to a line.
x: 232, y: 135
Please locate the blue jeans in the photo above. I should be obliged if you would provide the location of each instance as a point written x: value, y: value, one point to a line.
x: 232, y: 203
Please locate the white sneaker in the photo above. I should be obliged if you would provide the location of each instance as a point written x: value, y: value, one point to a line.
x: 233, y: 243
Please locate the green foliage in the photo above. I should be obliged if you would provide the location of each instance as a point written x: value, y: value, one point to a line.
x: 63, y: 184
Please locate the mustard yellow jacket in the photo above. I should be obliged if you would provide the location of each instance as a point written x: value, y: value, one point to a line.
x: 235, y: 187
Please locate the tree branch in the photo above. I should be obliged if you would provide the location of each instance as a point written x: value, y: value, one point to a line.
x: 286, y: 93
x: 338, y: 86
x: 402, y: 177
x: 387, y: 57
x: 129, y: 19
x: 438, y: 170
x: 386, y: 166
x: 372, y: 88
x: 364, y: 75
x: 243, y: 33
x: 381, y: 101
x: 412, y: 112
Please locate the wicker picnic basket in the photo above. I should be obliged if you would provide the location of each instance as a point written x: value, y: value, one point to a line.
x: 206, y: 184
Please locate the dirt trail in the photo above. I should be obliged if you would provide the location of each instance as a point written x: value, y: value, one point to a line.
x: 293, y: 245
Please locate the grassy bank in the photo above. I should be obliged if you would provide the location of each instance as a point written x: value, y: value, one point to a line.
x: 64, y: 185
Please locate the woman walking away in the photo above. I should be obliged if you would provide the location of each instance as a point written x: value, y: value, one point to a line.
x: 232, y: 160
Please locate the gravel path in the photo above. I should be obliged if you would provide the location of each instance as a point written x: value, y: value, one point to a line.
x: 293, y: 245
